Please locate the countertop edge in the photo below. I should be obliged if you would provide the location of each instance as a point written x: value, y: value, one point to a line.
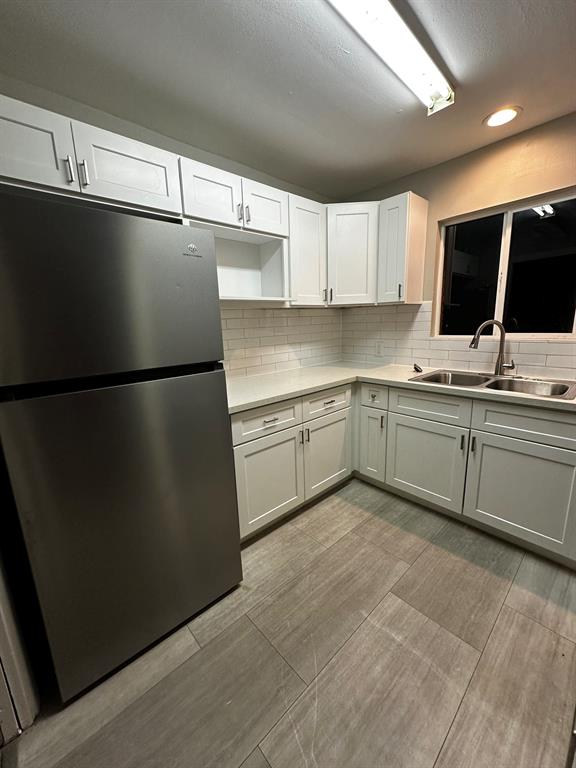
x: 381, y: 378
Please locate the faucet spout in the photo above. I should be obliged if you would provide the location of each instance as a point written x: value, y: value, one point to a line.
x: 500, y: 364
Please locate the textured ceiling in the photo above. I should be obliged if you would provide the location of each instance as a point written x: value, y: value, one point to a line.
x: 286, y: 87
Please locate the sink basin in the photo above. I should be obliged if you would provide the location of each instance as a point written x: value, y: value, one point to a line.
x: 454, y: 378
x: 533, y: 387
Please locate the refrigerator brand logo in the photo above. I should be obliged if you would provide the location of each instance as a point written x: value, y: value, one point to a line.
x: 193, y: 249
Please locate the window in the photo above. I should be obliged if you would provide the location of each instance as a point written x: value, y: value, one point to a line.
x: 518, y: 267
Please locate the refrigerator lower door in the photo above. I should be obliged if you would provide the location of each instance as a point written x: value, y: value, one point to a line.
x: 126, y: 496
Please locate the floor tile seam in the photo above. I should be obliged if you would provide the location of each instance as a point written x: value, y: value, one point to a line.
x: 480, y: 657
x: 121, y: 712
x: 544, y: 626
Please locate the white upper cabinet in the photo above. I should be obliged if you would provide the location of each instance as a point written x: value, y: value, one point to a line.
x: 119, y: 168
x: 352, y: 252
x: 36, y: 145
x: 307, y: 251
x: 401, y: 249
x: 225, y: 198
x: 265, y: 208
x: 212, y: 194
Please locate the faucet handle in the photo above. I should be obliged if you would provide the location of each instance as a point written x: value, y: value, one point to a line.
x: 509, y: 366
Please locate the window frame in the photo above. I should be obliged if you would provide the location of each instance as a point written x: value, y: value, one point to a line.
x: 508, y: 211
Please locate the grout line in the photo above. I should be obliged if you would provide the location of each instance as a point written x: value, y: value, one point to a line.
x: 544, y: 626
x: 276, y: 650
x: 449, y: 729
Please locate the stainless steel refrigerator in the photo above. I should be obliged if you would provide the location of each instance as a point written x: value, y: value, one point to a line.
x: 114, y: 426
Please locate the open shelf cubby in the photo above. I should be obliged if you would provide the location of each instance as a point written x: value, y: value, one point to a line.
x: 251, y: 266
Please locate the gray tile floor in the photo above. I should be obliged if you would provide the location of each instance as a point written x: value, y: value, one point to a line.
x: 368, y: 632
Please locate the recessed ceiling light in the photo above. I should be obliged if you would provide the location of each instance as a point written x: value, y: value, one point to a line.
x: 382, y: 28
x: 502, y: 116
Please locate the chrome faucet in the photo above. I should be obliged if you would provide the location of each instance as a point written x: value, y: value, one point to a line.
x: 501, y: 366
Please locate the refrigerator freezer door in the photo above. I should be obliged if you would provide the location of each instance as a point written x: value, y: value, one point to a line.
x: 86, y: 291
x: 127, y: 501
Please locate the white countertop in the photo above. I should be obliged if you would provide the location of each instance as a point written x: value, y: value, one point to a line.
x: 253, y: 391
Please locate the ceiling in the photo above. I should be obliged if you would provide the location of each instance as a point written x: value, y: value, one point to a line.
x: 284, y: 86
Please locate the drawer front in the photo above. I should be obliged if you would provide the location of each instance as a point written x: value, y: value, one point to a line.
x: 539, y: 425
x: 258, y: 422
x: 374, y: 396
x: 321, y: 403
x: 428, y: 405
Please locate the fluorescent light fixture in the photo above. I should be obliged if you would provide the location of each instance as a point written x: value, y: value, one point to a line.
x: 502, y: 116
x: 382, y: 28
x: 544, y: 210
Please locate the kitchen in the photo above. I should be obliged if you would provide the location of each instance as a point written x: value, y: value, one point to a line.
x: 287, y: 384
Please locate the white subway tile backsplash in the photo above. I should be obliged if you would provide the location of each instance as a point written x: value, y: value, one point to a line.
x: 403, y: 333
x: 258, y: 340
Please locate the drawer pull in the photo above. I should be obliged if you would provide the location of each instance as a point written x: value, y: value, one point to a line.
x: 271, y: 421
x: 329, y: 402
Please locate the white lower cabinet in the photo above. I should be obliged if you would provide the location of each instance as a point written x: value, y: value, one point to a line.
x: 269, y: 478
x: 372, y: 458
x: 327, y: 451
x: 524, y: 488
x: 427, y: 459
x: 277, y: 473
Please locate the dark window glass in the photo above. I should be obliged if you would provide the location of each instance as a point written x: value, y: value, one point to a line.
x: 471, y: 264
x: 541, y: 287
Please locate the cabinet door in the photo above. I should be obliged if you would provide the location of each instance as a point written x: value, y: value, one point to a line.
x: 352, y: 252
x: 269, y: 478
x: 212, y: 194
x: 373, y: 443
x: 392, y: 248
x: 427, y: 459
x: 401, y: 248
x: 265, y: 208
x: 327, y: 451
x: 307, y: 251
x: 119, y: 168
x: 36, y: 145
x: 524, y: 488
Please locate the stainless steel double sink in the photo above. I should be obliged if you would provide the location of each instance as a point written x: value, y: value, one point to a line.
x: 565, y: 390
